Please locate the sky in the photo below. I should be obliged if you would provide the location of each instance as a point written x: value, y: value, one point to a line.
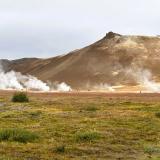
x: 47, y: 28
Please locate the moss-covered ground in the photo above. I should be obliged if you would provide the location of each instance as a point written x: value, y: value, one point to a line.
x: 91, y: 127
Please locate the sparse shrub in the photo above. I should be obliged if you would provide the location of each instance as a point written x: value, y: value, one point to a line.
x: 20, y: 97
x: 151, y: 150
x: 60, y: 149
x: 18, y: 135
x: 88, y: 136
x: 3, y: 157
x: 157, y: 114
x: 35, y: 115
x: 126, y: 103
x: 91, y: 109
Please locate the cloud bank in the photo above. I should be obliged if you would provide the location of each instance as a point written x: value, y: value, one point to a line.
x: 44, y: 28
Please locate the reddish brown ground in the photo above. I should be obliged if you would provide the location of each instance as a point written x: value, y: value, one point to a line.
x: 138, y: 97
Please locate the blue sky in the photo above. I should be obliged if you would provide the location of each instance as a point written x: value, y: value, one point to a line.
x: 46, y: 28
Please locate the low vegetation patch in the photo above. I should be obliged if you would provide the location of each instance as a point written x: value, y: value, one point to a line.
x: 66, y: 126
x: 151, y: 150
x: 127, y: 103
x: 157, y: 114
x: 35, y: 114
x: 60, y: 149
x: 18, y: 135
x: 88, y: 136
x: 91, y: 109
x: 5, y: 158
x: 20, y: 97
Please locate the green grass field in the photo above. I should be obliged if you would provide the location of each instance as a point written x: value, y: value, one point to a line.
x: 79, y: 128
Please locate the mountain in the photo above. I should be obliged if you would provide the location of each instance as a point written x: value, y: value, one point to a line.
x: 115, y: 60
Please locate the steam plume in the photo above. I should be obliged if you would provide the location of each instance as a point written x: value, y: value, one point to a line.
x: 60, y: 87
x: 145, y: 79
x: 17, y: 81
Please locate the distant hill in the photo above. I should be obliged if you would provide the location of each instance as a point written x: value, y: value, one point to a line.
x: 115, y: 60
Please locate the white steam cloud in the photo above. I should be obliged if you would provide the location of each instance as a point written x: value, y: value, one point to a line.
x: 17, y: 81
x: 60, y: 87
x: 145, y: 79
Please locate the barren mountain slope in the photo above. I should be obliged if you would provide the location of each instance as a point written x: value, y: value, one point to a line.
x: 114, y: 60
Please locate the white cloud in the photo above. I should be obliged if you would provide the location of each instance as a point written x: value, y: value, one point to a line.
x: 36, y: 27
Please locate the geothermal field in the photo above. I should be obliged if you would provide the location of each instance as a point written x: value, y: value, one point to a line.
x: 115, y: 63
x: 79, y: 80
x: 101, y: 102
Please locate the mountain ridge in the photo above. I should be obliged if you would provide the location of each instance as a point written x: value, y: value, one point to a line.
x: 115, y: 60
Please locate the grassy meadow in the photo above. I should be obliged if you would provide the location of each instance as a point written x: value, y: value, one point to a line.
x: 80, y: 127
